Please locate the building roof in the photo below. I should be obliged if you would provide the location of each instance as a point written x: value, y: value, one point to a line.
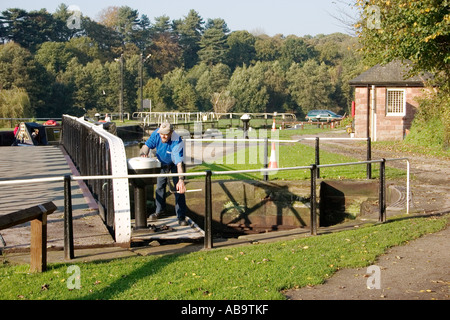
x: 394, y: 73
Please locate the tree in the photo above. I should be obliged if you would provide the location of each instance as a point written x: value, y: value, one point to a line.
x: 268, y: 48
x: 214, y: 42
x: 241, y: 50
x: 127, y: 23
x: 109, y: 17
x: 310, y: 86
x: 152, y: 91
x: 29, y: 29
x: 109, y: 41
x: 213, y: 80
x: 15, y: 103
x: 178, y: 92
x: 414, y: 30
x: 166, y: 54
x: 62, y: 17
x: 84, y: 49
x: 223, y: 101
x: 277, y: 88
x: 247, y: 86
x: 20, y: 70
x: 190, y: 31
x: 295, y: 50
x: 54, y: 56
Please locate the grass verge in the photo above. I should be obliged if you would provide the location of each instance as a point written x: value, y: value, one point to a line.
x: 251, y: 272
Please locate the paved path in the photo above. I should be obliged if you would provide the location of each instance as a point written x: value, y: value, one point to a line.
x: 44, y: 162
x: 418, y: 270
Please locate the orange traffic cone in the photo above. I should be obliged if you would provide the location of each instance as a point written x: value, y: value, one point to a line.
x: 273, y: 158
x: 274, y: 128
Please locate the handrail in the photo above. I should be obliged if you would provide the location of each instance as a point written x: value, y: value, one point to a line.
x: 96, y: 151
x: 208, y: 174
x: 38, y: 244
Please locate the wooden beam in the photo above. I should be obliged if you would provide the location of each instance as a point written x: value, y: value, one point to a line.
x: 38, y: 217
x: 12, y: 219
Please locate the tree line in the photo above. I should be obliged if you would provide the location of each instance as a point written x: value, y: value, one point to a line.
x: 65, y: 62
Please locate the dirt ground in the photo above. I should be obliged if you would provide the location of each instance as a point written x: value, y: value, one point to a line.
x: 418, y: 270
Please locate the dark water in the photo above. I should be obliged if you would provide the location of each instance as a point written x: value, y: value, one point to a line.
x: 132, y: 149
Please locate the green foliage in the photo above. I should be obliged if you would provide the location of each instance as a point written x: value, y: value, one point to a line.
x: 76, y: 70
x: 213, y: 45
x: 431, y: 126
x: 414, y: 30
x: 15, y: 103
x: 247, y: 86
x: 310, y: 86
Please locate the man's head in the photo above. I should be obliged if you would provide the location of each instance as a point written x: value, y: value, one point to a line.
x: 165, y: 131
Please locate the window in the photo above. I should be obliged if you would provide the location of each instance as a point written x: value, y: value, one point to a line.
x: 395, y: 104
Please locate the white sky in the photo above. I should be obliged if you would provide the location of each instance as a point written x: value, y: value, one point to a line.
x: 299, y: 17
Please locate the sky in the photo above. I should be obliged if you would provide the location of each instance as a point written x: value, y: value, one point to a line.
x: 298, y: 17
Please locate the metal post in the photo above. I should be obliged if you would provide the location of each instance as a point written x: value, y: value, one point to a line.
x: 382, y: 191
x: 68, y: 227
x: 313, y: 216
x: 121, y: 88
x: 317, y: 157
x: 141, y: 83
x: 208, y: 211
x: 266, y: 160
x: 369, y: 158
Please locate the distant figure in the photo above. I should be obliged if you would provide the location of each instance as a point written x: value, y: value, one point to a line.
x: 107, y: 118
x: 36, y: 137
x: 16, y: 141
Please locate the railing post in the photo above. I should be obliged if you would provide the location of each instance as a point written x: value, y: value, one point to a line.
x: 317, y: 153
x: 208, y: 211
x: 38, y: 246
x: 369, y: 158
x: 382, y: 191
x: 313, y: 216
x: 68, y: 228
x: 266, y: 162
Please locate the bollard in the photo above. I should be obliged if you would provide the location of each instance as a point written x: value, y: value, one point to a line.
x: 68, y: 225
x: 140, y: 203
x: 208, y: 211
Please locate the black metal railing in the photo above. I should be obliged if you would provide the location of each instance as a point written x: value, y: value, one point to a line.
x: 89, y: 153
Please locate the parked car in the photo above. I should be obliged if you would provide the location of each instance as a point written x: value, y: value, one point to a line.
x: 322, y: 115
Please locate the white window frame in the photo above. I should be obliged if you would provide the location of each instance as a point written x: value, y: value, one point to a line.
x: 403, y: 106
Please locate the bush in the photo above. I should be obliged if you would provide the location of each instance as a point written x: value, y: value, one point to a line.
x: 431, y: 125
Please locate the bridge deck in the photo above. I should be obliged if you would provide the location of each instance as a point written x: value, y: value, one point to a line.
x: 44, y: 162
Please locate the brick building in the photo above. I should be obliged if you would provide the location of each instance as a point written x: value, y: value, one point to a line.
x: 385, y: 101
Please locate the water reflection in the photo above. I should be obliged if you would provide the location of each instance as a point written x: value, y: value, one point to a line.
x: 132, y: 149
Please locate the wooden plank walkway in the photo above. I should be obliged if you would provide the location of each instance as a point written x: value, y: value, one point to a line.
x: 44, y: 162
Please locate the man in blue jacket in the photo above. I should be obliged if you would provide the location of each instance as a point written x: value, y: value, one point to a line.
x: 169, y: 151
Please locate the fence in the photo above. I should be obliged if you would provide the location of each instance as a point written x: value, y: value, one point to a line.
x: 317, y: 140
x: 96, y: 152
x: 208, y: 241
